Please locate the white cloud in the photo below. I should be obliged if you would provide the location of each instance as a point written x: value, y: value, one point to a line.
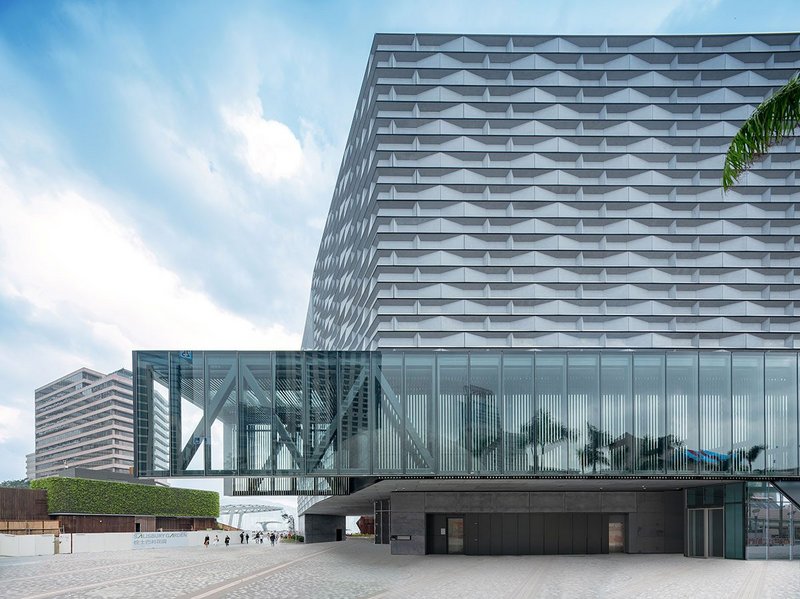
x: 71, y: 260
x: 268, y: 147
x: 13, y: 424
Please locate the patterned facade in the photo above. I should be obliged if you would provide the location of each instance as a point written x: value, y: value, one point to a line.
x: 560, y: 191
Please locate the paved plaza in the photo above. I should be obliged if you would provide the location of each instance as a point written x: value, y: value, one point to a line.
x: 358, y: 568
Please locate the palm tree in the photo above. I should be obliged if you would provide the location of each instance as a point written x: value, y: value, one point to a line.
x: 542, y: 431
x: 592, y: 453
x: 773, y: 120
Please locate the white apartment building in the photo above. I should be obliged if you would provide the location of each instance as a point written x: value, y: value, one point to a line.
x: 85, y: 420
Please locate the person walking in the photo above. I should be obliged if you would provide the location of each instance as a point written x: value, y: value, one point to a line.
x: 216, y: 540
x: 247, y: 538
x: 206, y: 542
x: 241, y: 537
x: 272, y: 539
x: 227, y: 540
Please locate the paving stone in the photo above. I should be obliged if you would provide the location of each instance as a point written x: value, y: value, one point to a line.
x: 360, y: 569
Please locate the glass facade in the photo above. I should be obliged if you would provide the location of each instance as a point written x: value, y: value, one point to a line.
x: 773, y: 524
x: 291, y: 415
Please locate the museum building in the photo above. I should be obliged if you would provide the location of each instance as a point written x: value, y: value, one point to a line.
x: 536, y: 323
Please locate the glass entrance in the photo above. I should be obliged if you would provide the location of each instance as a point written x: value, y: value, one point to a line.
x: 707, y: 532
x: 455, y: 535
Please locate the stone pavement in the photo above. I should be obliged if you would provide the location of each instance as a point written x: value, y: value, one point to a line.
x: 357, y: 568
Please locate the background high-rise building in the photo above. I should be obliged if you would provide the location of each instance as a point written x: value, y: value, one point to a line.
x: 30, y: 466
x: 85, y: 420
x: 560, y: 191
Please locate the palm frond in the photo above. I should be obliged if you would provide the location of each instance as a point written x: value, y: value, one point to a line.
x: 775, y: 118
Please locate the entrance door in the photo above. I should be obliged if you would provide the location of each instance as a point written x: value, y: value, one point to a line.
x: 707, y: 532
x: 455, y: 535
x: 716, y: 532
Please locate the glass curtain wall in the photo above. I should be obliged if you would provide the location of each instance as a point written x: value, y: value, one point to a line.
x: 780, y: 380
x: 616, y: 411
x: 288, y: 414
x: 649, y: 384
x: 518, y: 447
x: 773, y: 524
x: 747, y: 412
x: 714, y: 452
x: 388, y: 446
x: 485, y: 426
x: 682, y: 434
x: 583, y: 408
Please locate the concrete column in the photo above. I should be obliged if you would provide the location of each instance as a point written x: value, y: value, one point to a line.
x: 319, y: 528
x: 407, y: 524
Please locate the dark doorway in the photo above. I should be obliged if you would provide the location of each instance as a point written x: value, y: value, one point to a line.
x: 706, y: 532
x: 455, y: 535
x: 138, y: 527
x: 339, y: 535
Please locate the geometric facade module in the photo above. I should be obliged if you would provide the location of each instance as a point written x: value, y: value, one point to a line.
x: 560, y: 191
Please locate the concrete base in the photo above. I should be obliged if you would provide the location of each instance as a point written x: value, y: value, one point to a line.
x: 322, y: 529
x: 654, y: 520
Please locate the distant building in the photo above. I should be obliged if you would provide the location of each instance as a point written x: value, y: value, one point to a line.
x: 85, y: 420
x: 30, y: 466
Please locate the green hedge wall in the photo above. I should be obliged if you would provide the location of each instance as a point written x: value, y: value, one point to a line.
x: 83, y: 496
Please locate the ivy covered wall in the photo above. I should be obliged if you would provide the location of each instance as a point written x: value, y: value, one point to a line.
x: 84, y: 496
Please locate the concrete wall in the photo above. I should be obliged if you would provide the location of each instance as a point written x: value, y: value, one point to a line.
x: 657, y: 525
x: 654, y: 520
x: 408, y: 520
x: 318, y: 528
x: 28, y: 545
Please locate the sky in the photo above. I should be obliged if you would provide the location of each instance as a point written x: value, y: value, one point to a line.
x: 166, y: 167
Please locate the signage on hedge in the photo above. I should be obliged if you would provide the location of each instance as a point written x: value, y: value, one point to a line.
x: 148, y: 540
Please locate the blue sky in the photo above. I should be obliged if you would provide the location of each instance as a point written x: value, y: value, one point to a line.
x: 166, y: 167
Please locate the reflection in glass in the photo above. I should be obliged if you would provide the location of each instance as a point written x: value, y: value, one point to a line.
x: 323, y: 407
x: 484, y: 413
x: 652, y: 447
x: 616, y: 409
x: 681, y: 426
x: 715, y: 412
x: 354, y: 451
x: 587, y: 454
x: 288, y: 413
x: 453, y: 414
x: 388, y: 373
x: 781, y: 412
x: 151, y: 378
x: 420, y: 401
x: 747, y: 412
x: 288, y: 406
x: 548, y: 430
x: 518, y: 402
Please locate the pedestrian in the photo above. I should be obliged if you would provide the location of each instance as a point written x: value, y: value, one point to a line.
x: 241, y: 537
x: 247, y: 538
x: 227, y: 540
x: 216, y: 540
x: 272, y: 539
x: 206, y: 542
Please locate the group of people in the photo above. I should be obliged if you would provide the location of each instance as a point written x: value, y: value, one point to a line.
x: 243, y: 538
x: 208, y: 541
x: 258, y: 537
